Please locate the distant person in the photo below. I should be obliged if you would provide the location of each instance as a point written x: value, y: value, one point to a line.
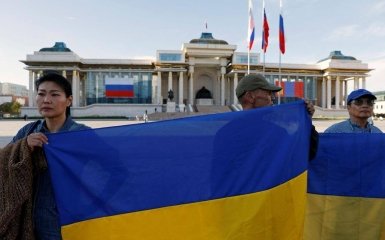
x: 54, y: 98
x: 360, y: 107
x: 254, y: 91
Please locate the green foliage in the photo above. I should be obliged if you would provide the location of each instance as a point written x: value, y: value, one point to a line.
x: 10, y: 107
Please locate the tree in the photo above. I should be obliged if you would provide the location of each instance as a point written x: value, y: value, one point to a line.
x: 10, y: 107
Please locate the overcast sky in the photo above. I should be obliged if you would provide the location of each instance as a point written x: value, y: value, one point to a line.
x: 137, y: 28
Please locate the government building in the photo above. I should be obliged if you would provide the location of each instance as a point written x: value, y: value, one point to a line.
x: 203, y: 74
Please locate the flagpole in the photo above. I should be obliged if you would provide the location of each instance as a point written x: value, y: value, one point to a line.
x: 263, y: 36
x: 281, y: 46
x: 248, y: 40
x: 279, y: 77
x: 248, y: 60
x: 264, y: 53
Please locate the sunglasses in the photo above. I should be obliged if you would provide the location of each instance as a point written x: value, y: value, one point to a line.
x: 360, y: 102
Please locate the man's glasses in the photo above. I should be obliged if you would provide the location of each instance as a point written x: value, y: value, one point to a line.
x: 361, y: 101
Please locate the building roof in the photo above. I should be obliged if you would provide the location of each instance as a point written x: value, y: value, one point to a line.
x: 58, y: 47
x: 207, y: 38
x: 337, y: 55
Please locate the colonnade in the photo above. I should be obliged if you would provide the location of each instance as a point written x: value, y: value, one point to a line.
x: 223, y: 81
x: 35, y: 74
x: 340, y: 90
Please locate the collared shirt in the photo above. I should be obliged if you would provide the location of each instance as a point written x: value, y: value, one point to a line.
x: 45, y: 215
x: 348, y: 126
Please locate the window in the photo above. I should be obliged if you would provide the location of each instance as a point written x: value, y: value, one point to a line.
x: 170, y: 57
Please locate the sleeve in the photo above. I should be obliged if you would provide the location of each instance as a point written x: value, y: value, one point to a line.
x: 314, y: 137
x: 24, y: 131
x: 20, y: 134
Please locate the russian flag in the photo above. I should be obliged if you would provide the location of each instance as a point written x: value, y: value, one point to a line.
x: 265, y: 32
x: 119, y: 87
x: 251, y: 25
x: 281, y: 35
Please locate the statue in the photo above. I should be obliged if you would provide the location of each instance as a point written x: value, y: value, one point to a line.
x: 170, y: 95
x: 203, y: 93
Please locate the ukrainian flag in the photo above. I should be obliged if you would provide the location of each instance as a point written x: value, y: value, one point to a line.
x: 347, y: 188
x: 239, y: 175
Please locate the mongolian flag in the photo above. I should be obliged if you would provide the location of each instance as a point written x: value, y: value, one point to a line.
x: 346, y: 188
x: 239, y: 175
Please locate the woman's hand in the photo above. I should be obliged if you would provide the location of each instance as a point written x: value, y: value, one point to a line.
x: 36, y: 140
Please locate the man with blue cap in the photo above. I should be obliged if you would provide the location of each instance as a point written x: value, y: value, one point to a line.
x: 360, y: 107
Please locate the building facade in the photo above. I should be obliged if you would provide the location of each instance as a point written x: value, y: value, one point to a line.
x: 13, y: 92
x: 379, y: 106
x: 203, y: 63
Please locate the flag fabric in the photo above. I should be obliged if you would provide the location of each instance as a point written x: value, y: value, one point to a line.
x: 239, y: 175
x: 265, y: 32
x: 346, y: 188
x: 119, y: 87
x: 251, y: 31
x: 281, y: 35
x: 291, y: 89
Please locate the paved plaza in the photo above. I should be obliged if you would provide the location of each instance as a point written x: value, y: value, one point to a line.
x: 9, y: 128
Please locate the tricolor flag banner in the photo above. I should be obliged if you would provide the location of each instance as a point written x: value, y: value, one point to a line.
x: 119, y: 87
x: 265, y: 32
x: 251, y: 31
x: 281, y: 35
x: 239, y: 175
x: 291, y: 89
x: 346, y: 188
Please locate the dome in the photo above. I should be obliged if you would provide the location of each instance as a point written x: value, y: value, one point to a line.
x: 207, y: 38
x: 58, y: 47
x: 338, y: 56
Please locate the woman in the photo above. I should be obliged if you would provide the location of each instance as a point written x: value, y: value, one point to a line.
x: 54, y: 98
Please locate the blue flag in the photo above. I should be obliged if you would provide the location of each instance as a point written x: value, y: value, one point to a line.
x: 239, y: 174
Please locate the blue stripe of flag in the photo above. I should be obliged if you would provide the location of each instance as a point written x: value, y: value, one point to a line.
x: 120, y: 87
x: 123, y: 169
x: 349, y: 164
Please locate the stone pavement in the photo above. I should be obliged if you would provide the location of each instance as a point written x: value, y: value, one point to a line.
x: 9, y: 128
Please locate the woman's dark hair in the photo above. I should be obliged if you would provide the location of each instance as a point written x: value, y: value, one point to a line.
x: 59, y: 80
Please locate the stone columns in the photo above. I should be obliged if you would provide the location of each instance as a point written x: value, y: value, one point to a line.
x: 323, y: 92
x: 159, y: 89
x: 180, y: 102
x: 235, y: 99
x: 356, y: 83
x: 31, y: 89
x: 75, y: 88
x: 64, y: 73
x: 337, y: 101
x: 169, y: 81
x: 223, y: 71
x: 329, y: 92
x: 363, y: 82
x: 191, y: 85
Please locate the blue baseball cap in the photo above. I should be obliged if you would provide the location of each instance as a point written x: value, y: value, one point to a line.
x: 356, y: 94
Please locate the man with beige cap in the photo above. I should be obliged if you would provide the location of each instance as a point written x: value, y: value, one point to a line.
x: 254, y: 91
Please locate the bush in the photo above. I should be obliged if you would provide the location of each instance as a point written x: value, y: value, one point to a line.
x: 10, y: 107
